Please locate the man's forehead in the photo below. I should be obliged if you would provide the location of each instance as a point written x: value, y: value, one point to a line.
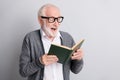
x: 52, y: 11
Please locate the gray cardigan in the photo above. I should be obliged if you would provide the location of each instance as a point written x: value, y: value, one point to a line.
x: 32, y: 49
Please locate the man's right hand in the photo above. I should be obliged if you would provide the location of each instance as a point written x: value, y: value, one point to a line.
x: 48, y: 59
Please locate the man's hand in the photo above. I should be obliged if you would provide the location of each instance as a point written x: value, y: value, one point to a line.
x: 48, y: 59
x: 78, y: 55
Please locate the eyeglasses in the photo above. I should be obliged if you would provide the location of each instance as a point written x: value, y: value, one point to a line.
x: 52, y: 19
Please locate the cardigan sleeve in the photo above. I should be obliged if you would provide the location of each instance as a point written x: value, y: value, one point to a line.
x: 27, y: 66
x: 76, y: 66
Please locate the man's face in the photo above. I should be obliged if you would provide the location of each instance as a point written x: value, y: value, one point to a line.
x: 51, y: 27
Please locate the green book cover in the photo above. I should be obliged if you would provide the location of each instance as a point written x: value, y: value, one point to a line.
x: 62, y: 52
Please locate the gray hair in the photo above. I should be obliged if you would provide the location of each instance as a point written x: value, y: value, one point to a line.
x: 42, y: 10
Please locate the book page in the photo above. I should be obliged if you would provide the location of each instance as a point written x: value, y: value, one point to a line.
x: 77, y: 45
x: 62, y: 46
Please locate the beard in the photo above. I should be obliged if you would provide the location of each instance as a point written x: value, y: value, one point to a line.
x: 48, y: 31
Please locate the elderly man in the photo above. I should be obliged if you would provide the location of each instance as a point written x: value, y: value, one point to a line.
x: 34, y: 61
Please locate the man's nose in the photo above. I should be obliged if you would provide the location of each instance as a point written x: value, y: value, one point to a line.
x: 56, y: 23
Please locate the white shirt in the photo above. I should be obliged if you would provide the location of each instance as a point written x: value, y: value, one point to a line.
x: 53, y: 71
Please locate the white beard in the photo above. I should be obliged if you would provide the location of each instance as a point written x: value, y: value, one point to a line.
x: 48, y: 31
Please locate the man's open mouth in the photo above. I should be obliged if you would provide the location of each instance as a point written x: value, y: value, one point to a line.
x: 54, y: 29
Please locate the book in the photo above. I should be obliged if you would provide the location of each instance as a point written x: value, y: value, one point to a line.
x: 63, y: 52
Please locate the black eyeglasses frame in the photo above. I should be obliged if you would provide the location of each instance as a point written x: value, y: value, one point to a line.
x: 54, y: 18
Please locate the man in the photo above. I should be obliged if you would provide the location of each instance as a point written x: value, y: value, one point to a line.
x: 34, y: 61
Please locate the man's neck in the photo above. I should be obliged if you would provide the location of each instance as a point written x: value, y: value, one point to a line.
x: 51, y: 38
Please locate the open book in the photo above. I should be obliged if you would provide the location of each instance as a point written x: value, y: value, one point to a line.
x: 63, y: 52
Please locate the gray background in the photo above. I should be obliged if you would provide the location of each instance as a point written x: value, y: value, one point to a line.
x: 97, y: 21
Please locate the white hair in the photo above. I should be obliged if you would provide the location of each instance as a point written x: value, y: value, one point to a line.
x: 42, y: 10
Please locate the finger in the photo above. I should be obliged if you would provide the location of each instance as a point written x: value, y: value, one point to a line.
x: 76, y: 58
x: 77, y: 55
x: 50, y: 61
x: 79, y: 50
x: 52, y: 57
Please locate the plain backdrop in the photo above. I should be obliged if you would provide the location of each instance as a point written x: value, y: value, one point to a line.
x: 97, y: 21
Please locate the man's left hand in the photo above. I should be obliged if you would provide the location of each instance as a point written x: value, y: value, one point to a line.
x: 78, y: 55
